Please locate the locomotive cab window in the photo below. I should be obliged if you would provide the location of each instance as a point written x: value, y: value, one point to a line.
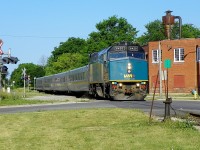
x: 136, y: 52
x: 117, y: 54
x: 136, y: 55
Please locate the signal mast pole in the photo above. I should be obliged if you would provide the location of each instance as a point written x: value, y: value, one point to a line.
x: 1, y: 62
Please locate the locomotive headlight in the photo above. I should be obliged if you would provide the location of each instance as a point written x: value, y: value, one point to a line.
x: 137, y: 84
x: 120, y: 84
x: 129, y: 67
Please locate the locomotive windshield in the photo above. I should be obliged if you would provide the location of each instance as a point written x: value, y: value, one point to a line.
x: 136, y: 55
x: 126, y: 51
x: 117, y: 54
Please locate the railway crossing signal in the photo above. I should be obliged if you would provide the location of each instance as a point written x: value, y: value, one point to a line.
x: 8, y: 60
x: 5, y: 60
x: 24, y: 76
x: 4, y: 69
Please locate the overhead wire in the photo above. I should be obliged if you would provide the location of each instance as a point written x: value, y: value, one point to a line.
x: 31, y: 36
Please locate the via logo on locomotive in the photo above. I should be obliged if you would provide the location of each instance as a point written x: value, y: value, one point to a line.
x: 118, y: 72
x: 128, y: 75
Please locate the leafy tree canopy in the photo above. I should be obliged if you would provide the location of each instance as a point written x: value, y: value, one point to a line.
x: 65, y: 62
x: 190, y: 31
x: 72, y: 45
x: 31, y: 69
x: 73, y: 48
x: 110, y: 31
x: 156, y: 31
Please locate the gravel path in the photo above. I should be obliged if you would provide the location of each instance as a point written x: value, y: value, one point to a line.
x: 57, y: 98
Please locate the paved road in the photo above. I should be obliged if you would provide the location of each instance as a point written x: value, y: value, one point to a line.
x: 178, y: 107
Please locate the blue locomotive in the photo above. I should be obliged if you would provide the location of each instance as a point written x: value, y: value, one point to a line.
x: 119, y: 72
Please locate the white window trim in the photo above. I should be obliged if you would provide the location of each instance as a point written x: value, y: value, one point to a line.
x: 179, y: 55
x: 157, y: 56
x: 153, y: 60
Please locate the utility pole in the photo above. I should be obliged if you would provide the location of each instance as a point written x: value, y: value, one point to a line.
x: 34, y: 83
x: 1, y: 62
x: 160, y: 69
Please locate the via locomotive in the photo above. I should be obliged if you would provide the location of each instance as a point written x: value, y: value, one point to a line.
x: 119, y: 72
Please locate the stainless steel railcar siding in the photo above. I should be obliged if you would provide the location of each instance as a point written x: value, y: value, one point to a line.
x: 96, y: 73
x: 60, y: 82
x: 78, y: 80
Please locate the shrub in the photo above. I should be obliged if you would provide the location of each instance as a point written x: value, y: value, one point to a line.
x: 9, y: 96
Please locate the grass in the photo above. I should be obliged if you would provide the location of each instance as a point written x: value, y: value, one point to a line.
x: 9, y: 102
x: 99, y: 129
x: 16, y: 98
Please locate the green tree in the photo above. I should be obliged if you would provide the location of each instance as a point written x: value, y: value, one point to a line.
x: 31, y: 69
x: 66, y: 62
x: 72, y: 45
x: 49, y: 65
x: 110, y: 31
x: 156, y: 31
x: 190, y: 31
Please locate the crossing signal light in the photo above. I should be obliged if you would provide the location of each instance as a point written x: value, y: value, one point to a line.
x: 4, y: 69
x: 5, y: 60
x: 12, y: 60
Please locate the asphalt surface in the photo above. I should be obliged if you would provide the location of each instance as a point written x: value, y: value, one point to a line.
x: 177, y: 107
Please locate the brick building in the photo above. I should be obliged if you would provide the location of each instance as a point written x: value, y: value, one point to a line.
x: 184, y: 74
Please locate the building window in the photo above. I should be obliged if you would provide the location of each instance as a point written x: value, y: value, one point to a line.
x: 155, y: 56
x: 198, y: 53
x: 179, y: 55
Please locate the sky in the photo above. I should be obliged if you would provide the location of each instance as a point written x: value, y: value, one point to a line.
x: 32, y: 28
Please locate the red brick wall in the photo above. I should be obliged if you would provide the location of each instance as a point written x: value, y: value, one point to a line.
x: 187, y: 71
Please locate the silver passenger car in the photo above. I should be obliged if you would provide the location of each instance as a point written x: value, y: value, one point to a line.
x: 71, y: 81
